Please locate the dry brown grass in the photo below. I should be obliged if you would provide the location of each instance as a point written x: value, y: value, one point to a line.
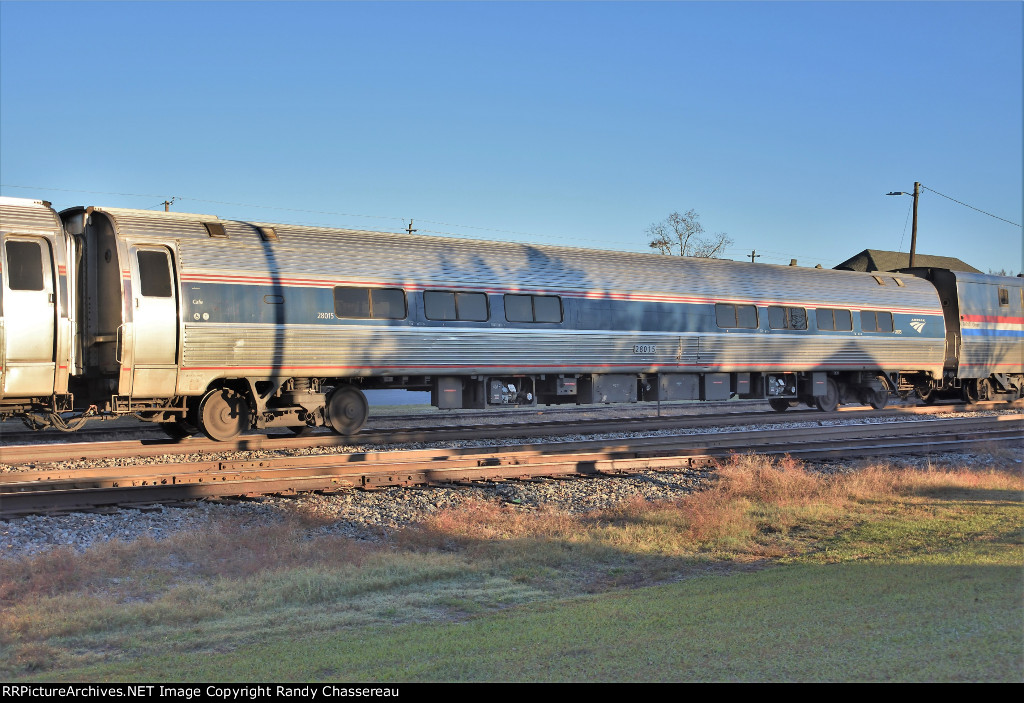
x: 482, y: 520
x: 229, y: 550
x: 758, y: 507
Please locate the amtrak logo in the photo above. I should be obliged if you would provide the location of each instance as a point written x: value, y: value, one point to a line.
x: 918, y: 324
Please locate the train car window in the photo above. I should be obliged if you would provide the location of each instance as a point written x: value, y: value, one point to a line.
x: 834, y: 319
x: 825, y: 319
x: 781, y: 318
x: 445, y: 305
x: 154, y: 274
x: 533, y: 308
x: 871, y: 321
x: 471, y: 307
x: 387, y: 304
x: 867, y: 320
x: 547, y: 308
x: 746, y: 316
x: 359, y: 303
x: 352, y: 302
x: 844, y: 320
x: 725, y: 315
x: 728, y: 316
x: 24, y: 266
x: 439, y: 305
x: 1004, y: 297
x: 518, y: 308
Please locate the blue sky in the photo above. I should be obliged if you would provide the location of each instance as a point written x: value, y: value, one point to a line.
x: 577, y: 124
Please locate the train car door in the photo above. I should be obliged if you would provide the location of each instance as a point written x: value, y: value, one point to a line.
x: 155, y: 322
x: 30, y: 317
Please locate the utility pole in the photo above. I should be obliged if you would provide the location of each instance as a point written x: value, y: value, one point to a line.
x: 409, y: 229
x: 754, y: 255
x: 913, y: 231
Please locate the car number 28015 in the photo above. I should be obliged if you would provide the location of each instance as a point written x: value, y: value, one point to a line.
x: 644, y: 348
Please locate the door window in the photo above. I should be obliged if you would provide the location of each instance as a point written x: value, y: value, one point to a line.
x: 155, y: 274
x: 24, y: 266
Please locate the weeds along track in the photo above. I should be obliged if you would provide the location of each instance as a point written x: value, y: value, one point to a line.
x: 25, y: 492
x: 19, y: 447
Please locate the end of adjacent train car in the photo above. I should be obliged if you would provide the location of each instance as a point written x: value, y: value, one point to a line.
x: 36, y: 319
x: 984, y: 317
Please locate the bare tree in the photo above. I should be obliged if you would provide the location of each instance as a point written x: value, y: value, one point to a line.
x: 685, y: 233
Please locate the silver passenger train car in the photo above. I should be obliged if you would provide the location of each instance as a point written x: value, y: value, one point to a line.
x: 223, y: 326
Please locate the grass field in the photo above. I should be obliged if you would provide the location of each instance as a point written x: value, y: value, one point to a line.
x: 772, y: 574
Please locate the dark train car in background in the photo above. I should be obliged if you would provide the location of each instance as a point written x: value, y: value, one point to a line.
x: 984, y: 318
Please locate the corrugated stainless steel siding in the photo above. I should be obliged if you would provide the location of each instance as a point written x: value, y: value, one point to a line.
x: 983, y: 356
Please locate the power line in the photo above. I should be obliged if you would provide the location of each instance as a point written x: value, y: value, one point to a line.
x: 905, y: 222
x: 971, y: 206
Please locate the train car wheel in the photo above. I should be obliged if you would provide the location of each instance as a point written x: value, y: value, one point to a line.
x: 830, y: 401
x: 927, y: 396
x: 223, y: 414
x: 347, y: 410
x: 969, y: 392
x: 877, y: 399
x: 779, y: 405
x: 984, y: 389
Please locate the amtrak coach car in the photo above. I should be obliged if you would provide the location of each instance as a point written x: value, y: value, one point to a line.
x: 224, y: 326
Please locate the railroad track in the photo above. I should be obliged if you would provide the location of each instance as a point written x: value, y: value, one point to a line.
x: 13, y: 432
x: 15, y: 454
x: 68, y: 490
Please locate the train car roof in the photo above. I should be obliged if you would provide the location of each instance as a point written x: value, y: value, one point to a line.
x: 209, y: 246
x: 966, y: 277
x: 27, y: 216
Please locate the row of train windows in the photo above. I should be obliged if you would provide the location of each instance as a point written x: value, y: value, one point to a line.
x: 729, y: 316
x: 390, y: 304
